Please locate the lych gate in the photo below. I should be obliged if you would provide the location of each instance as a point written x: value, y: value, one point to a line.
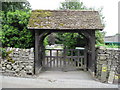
x: 64, y: 59
x: 44, y: 22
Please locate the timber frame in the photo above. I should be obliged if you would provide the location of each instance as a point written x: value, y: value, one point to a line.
x: 39, y: 47
x: 90, y: 23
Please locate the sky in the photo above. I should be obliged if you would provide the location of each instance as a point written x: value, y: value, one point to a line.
x: 110, y: 10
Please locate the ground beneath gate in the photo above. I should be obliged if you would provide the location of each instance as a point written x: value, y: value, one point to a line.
x: 75, y: 75
x: 55, y: 79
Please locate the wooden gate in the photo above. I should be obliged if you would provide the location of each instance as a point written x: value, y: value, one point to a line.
x: 64, y: 59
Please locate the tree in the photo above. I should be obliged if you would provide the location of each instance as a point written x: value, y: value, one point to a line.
x: 71, y: 39
x: 14, y: 31
x: 72, y: 5
x: 15, y: 17
x: 13, y: 6
x: 100, y: 37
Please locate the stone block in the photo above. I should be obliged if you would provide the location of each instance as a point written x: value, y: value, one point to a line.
x: 104, y: 73
x: 9, y: 67
x: 32, y: 50
x: 116, y: 78
x: 103, y: 56
x: 102, y: 48
x: 102, y: 62
x: 111, y: 77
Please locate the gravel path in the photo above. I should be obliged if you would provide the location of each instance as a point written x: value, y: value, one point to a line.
x: 56, y: 79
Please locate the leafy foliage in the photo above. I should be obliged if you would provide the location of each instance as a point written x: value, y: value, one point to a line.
x: 70, y: 40
x: 13, y: 6
x: 15, y: 17
x: 6, y: 54
x: 108, y: 46
x: 100, y: 37
x: 72, y: 5
x: 14, y: 30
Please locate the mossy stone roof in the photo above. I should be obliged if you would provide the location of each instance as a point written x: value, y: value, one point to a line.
x: 65, y: 19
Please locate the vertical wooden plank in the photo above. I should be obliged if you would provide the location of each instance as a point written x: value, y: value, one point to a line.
x: 82, y: 63
x: 85, y: 60
x: 57, y: 62
x: 46, y: 60
x: 50, y: 57
x: 72, y: 57
x: 60, y: 62
x: 64, y: 61
x: 78, y: 61
x: 54, y: 61
x: 68, y: 60
x: 47, y: 63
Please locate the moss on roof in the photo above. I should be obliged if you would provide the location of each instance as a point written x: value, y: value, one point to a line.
x: 64, y: 19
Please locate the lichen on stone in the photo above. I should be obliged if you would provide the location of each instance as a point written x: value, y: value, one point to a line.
x: 38, y: 17
x: 57, y: 19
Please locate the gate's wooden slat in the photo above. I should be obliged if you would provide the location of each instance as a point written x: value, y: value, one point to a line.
x: 68, y: 60
x: 47, y: 61
x: 81, y: 62
x: 75, y: 56
x: 55, y: 62
x: 57, y: 59
x: 85, y: 60
x: 66, y: 49
x: 71, y: 57
x: 52, y: 63
x: 76, y: 60
x: 64, y: 59
x: 60, y: 62
x: 66, y: 56
x: 55, y: 56
x: 50, y: 57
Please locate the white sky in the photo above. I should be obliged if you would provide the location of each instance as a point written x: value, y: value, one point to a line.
x: 110, y: 10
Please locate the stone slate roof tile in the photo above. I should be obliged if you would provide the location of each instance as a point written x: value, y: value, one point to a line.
x: 65, y: 19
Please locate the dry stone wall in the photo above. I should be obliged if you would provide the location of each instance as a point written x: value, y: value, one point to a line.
x: 23, y: 64
x: 108, y: 64
x: 107, y: 67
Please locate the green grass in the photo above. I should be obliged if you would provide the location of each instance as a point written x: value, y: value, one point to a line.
x: 108, y: 46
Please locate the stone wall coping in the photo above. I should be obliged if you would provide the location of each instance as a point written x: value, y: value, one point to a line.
x: 113, y: 48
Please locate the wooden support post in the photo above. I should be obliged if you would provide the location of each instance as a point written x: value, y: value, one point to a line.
x: 87, y: 37
x: 92, y: 47
x: 39, y: 50
x: 37, y: 65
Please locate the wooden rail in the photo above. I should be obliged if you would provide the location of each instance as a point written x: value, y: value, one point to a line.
x: 65, y: 57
